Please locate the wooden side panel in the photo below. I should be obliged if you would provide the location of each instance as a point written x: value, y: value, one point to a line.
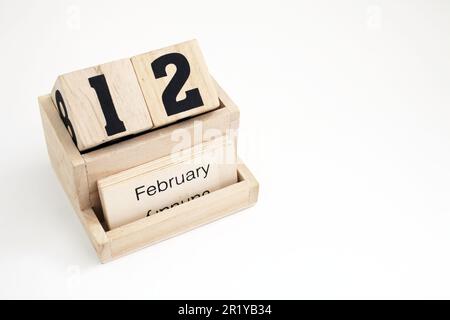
x: 234, y: 112
x: 70, y: 169
x: 66, y: 160
x: 96, y: 233
x: 231, y: 106
x: 245, y: 174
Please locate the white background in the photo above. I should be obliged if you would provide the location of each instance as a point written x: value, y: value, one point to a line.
x: 345, y: 121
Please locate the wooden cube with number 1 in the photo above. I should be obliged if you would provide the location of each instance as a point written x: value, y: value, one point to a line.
x: 101, y: 104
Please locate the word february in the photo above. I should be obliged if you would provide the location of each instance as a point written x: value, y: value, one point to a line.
x: 161, y: 186
x: 147, y: 189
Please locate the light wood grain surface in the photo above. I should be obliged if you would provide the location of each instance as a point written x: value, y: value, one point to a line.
x: 153, y: 88
x: 84, y: 109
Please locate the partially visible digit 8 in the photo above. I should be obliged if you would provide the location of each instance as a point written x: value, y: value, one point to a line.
x: 61, y: 105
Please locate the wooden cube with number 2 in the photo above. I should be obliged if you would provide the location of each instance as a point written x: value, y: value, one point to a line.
x: 175, y: 82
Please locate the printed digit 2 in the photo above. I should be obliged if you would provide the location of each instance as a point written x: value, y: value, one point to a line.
x: 169, y: 97
x: 113, y: 124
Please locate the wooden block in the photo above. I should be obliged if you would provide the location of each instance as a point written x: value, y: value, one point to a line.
x: 74, y: 172
x: 101, y: 103
x: 175, y: 82
x: 168, y: 182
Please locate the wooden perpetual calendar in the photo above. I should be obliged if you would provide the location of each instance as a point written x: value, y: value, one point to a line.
x: 145, y: 148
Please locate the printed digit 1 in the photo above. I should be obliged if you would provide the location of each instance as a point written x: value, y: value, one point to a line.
x: 61, y: 105
x: 113, y: 123
x: 169, y: 97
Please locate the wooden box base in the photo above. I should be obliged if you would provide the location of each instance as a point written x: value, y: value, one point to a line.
x: 79, y: 173
x: 147, y: 231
